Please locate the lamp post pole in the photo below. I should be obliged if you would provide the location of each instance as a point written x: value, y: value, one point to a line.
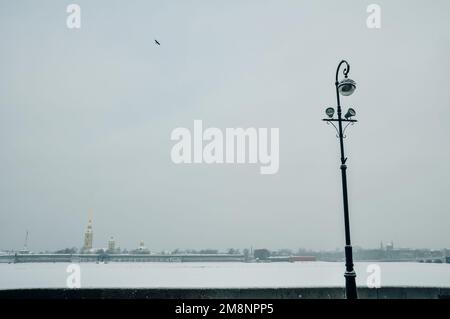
x: 345, y: 87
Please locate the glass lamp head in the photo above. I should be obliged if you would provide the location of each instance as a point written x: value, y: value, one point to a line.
x: 350, y: 113
x: 329, y: 112
x: 346, y: 87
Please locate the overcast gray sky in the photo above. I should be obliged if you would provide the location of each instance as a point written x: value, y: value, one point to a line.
x: 86, y: 117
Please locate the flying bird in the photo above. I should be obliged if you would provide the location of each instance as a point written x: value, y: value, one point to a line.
x: 156, y: 41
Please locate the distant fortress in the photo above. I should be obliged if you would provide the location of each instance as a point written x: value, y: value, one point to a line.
x: 112, y: 254
x: 105, y: 258
x: 141, y: 254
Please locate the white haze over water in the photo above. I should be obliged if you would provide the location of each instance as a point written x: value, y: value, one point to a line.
x: 219, y: 275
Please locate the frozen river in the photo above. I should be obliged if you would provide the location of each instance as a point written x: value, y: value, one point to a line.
x: 220, y: 275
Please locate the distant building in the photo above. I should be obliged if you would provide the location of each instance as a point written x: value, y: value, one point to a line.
x: 291, y: 258
x: 141, y: 249
x: 111, y: 245
x: 261, y: 254
x: 446, y: 255
x: 390, y: 246
x: 88, y: 236
x: 112, y: 248
x: 25, y: 246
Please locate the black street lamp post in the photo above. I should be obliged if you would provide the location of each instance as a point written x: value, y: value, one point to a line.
x: 345, y: 87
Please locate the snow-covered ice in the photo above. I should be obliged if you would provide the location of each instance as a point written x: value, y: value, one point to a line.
x: 218, y: 275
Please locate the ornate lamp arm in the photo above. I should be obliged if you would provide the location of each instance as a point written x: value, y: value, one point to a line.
x: 346, y: 70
